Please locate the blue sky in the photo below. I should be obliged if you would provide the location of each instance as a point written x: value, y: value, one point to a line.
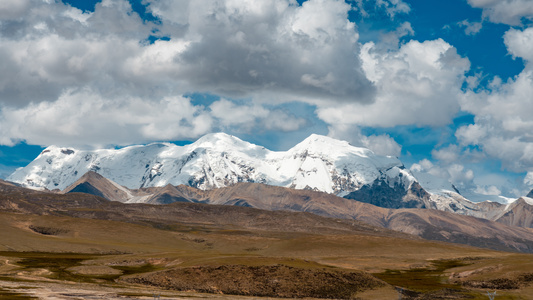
x: 444, y: 85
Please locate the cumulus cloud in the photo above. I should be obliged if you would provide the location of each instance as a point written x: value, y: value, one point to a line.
x: 391, y: 40
x: 503, y: 127
x: 243, y: 48
x: 67, y: 65
x: 488, y: 190
x: 422, y: 80
x: 511, y: 12
x: 520, y: 43
x: 448, y: 154
x: 56, y: 47
x: 13, y: 9
x: 477, y: 188
x: 247, y: 117
x: 379, y: 144
x: 461, y: 177
x: 84, y: 117
x: 471, y: 28
x: 391, y: 7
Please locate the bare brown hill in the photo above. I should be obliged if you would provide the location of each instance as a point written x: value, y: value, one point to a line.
x: 285, y: 204
x: 519, y: 213
x: 95, y: 184
x: 427, y: 223
x: 82, y: 205
x: 169, y: 194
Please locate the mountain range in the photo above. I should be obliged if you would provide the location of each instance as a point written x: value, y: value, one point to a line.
x: 261, y: 207
x: 231, y: 214
x: 165, y: 173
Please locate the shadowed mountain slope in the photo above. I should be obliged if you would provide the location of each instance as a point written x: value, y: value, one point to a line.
x: 95, y: 184
x: 427, y: 223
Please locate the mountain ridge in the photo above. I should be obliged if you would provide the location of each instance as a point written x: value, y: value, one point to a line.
x: 274, y: 198
x: 218, y: 160
x: 264, y: 200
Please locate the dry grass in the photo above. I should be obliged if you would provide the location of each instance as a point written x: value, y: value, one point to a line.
x: 263, y: 281
x: 139, y: 248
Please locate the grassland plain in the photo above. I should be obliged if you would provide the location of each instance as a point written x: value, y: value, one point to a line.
x: 41, y: 254
x: 80, y: 246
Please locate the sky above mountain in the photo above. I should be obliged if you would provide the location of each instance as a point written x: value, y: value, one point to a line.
x: 447, y: 86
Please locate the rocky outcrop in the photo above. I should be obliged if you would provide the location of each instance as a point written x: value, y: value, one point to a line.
x: 383, y: 195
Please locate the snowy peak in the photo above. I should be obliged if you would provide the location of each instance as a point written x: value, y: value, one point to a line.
x: 320, y: 144
x: 219, y: 141
x: 216, y: 160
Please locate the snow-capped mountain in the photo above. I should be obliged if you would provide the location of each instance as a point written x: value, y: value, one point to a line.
x: 217, y: 160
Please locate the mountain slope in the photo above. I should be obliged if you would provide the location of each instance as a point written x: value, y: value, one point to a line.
x: 518, y: 213
x: 219, y: 160
x: 95, y: 184
x: 427, y: 223
x: 280, y: 210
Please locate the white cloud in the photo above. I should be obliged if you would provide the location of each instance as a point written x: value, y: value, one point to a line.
x: 248, y: 117
x: 382, y: 145
x: 391, y: 40
x: 528, y: 179
x: 503, y: 127
x: 53, y: 55
x: 511, y: 12
x: 471, y: 28
x: 56, y: 47
x: 472, y: 134
x: 391, y: 7
x: 13, y: 9
x: 461, y: 177
x: 83, y: 117
x: 520, y: 43
x: 448, y: 154
x: 419, y: 84
x: 488, y: 190
x: 258, y: 48
x: 379, y: 144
